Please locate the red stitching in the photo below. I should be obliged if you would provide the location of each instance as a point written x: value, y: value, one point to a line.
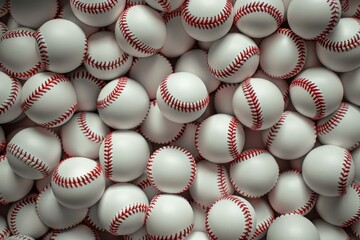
x: 263, y: 227
x: 94, y: 8
x: 301, y: 48
x: 5, y: 233
x: 42, y: 89
x: 61, y: 119
x: 151, y: 207
x: 259, y: 7
x: 345, y: 5
x: 236, y: 64
x: 353, y: 231
x: 275, y: 129
x: 231, y: 138
x: 131, y: 3
x: 106, y: 65
x: 113, y: 95
x: 31, y: 199
x: 121, y: 216
x: 345, y: 170
x: 333, y: 121
x: 5, y: 8
x: 254, y: 104
x: 224, y: 85
x: 144, y: 184
x: 86, y: 75
x: 85, y: 129
x: 42, y: 46
x: 177, y: 236
x: 18, y: 33
x: 28, y: 159
x: 166, y: 6
x: 356, y: 217
x: 10, y: 101
x: 177, y: 104
x: 131, y: 38
x: 315, y: 94
x: 3, y: 201
x: 59, y: 10
x: 168, y: 16
x: 342, y: 46
x: 207, y: 22
x: 308, y: 205
x: 221, y: 181
x: 108, y: 156
x: 75, y: 182
x: 146, y: 237
x: 23, y: 75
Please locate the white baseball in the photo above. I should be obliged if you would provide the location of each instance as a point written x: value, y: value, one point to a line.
x: 80, y: 232
x: 143, y: 182
x: 350, y: 8
x: 339, y: 167
x: 136, y: 35
x: 178, y: 41
x: 220, y: 138
x: 19, y: 215
x: 212, y: 182
x: 37, y: 158
x: 169, y: 217
x: 313, y: 20
x: 292, y: 59
x: 171, y: 169
x: 123, y: 103
x: 233, y: 58
x: 291, y: 137
x: 231, y: 217
x: 182, y: 97
x: 124, y: 155
x: 48, y: 99
x: 223, y: 98
x: 138, y: 235
x: 258, y: 19
x: 206, y: 20
x: 195, y: 61
x: 341, y: 128
x: 242, y: 176
x: 341, y: 211
x: 197, y: 235
x: 12, y: 186
x: 61, y: 44
x: 292, y: 226
x: 264, y: 217
x: 291, y: 194
x: 3, y: 141
x: 82, y: 135
x: 258, y: 103
x: 97, y: 13
x: 4, y: 7
x: 59, y: 217
x: 356, y: 159
x: 158, y: 129
x: 316, y: 92
x: 26, y: 64
x: 87, y: 88
x: 35, y: 13
x: 122, y: 208
x: 4, y: 228
x: 339, y: 51
x: 10, y: 98
x: 330, y: 232
x: 351, y: 86
x: 165, y: 5
x: 104, y: 58
x: 199, y: 216
x: 78, y: 182
x: 150, y: 71
x: 40, y: 184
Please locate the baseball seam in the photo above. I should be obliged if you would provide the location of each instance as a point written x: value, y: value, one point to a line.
x: 42, y: 47
x: 28, y: 159
x: 88, y: 221
x: 130, y: 3
x: 221, y: 181
x: 165, y: 5
x: 85, y: 129
x: 223, y: 86
x: 151, y: 207
x: 23, y: 75
x: 333, y: 121
x: 273, y: 131
x: 106, y: 65
x: 168, y: 16
x: 75, y: 182
x: 308, y: 206
x: 249, y: 154
x: 144, y: 237
x: 254, y: 104
x: 5, y: 8
x: 144, y: 184
x: 3, y: 201
x: 60, y: 119
x: 18, y: 33
x: 231, y: 139
x: 14, y: 211
x: 263, y: 226
x: 5, y: 233
x: 344, y: 174
x: 356, y: 217
x: 3, y: 145
x: 86, y: 75
x: 94, y: 8
x: 236, y: 64
x: 177, y: 104
x: 108, y: 156
x: 314, y: 92
x: 10, y: 101
x: 177, y: 236
x: 259, y: 7
x: 210, y: 22
x: 113, y: 95
x: 353, y: 231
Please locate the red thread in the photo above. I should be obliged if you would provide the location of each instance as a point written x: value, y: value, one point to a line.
x: 108, y: 156
x: 3, y: 201
x: 18, y: 33
x: 86, y: 75
x: 273, y: 131
x: 131, y: 3
x: 261, y: 7
x: 263, y: 227
x: 85, y: 129
x: 333, y: 121
x: 345, y: 5
x: 113, y: 95
x: 356, y: 217
x: 4, y: 8
x: 75, y: 182
x: 207, y: 22
x: 236, y: 64
x: 177, y: 104
x: 315, y: 94
x: 224, y: 85
x: 144, y: 184
x: 231, y: 138
x: 308, y: 205
x: 62, y: 118
x: 177, y: 236
x: 42, y: 47
x: 221, y: 181
x: 345, y: 170
x: 31, y: 199
x: 168, y: 16
x: 254, y: 104
x: 106, y: 65
x: 131, y: 38
x: 59, y: 10
x: 23, y: 75
x: 10, y: 101
x: 94, y: 8
x: 151, y: 207
x: 42, y: 89
x: 353, y: 231
x: 5, y: 233
x: 124, y: 214
x: 165, y: 5
x: 28, y: 159
x: 145, y: 237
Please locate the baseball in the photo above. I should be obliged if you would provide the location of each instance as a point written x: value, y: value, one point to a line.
x: 78, y: 182
x: 351, y: 86
x: 223, y: 98
x: 264, y: 217
x: 197, y: 235
x: 199, y: 216
x: 139, y: 234
x: 355, y: 229
x: 3, y: 29
x: 182, y: 97
x: 328, y: 231
x: 165, y: 6
x: 10, y: 98
x: 350, y: 8
x: 4, y: 228
x: 80, y: 232
x: 143, y: 182
x: 19, y: 237
x: 4, y: 7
